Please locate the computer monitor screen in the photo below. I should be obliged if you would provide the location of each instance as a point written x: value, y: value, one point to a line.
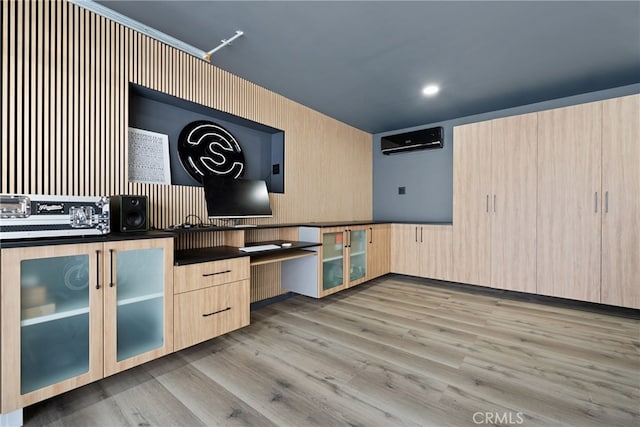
x: 236, y: 198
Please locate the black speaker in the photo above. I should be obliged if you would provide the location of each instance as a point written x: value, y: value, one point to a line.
x: 129, y: 213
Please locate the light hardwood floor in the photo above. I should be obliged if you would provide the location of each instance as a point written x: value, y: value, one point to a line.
x: 397, y: 351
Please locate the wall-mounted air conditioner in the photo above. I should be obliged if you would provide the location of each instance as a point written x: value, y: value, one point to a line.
x: 423, y: 139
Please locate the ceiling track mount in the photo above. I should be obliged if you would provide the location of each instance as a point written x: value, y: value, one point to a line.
x: 223, y: 43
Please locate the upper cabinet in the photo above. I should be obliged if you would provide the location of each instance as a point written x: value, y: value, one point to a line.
x: 621, y: 209
x: 494, y: 203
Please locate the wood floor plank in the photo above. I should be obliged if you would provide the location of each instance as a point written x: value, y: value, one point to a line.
x: 210, y: 401
x: 284, y: 395
x: 393, y: 352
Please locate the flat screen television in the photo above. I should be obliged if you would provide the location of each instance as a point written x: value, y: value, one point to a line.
x: 236, y: 198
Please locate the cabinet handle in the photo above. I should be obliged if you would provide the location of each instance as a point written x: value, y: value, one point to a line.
x: 494, y: 203
x: 371, y: 239
x: 595, y: 201
x: 416, y: 234
x: 487, y: 203
x: 349, y: 231
x: 97, y: 269
x: 606, y: 202
x: 345, y: 237
x: 111, y: 284
x: 216, y: 312
x: 421, y: 234
x: 213, y: 274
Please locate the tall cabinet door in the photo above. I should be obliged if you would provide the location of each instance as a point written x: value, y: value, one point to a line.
x: 621, y: 187
x: 51, y: 338
x: 138, y: 302
x: 471, y: 203
x: 513, y: 202
x: 569, y: 202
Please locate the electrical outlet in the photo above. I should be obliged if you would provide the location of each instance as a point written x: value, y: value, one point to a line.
x: 402, y: 190
x: 275, y: 169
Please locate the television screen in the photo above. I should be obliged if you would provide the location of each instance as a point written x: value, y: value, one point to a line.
x: 236, y: 198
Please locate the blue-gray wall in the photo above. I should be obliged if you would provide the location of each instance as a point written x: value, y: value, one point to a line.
x: 428, y: 175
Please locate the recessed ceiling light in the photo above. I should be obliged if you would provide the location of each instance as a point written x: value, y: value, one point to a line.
x: 430, y: 90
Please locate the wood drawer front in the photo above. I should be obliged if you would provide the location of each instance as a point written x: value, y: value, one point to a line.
x: 207, y: 313
x: 202, y: 275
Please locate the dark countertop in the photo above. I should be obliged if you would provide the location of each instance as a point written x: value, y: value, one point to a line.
x: 328, y: 224
x: 423, y: 222
x: 205, y: 228
x: 156, y: 234
x: 75, y: 240
x: 194, y: 256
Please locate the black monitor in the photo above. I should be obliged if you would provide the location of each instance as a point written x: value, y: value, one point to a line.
x: 236, y: 198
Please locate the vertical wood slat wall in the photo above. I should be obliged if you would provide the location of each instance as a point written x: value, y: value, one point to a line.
x: 64, y: 118
x: 65, y: 78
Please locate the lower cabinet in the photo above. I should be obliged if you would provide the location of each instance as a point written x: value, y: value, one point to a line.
x: 211, y: 299
x: 72, y: 314
x: 343, y: 259
x: 349, y: 256
x: 378, y: 250
x: 422, y: 250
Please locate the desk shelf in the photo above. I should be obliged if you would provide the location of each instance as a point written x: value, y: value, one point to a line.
x: 217, y: 253
x: 280, y: 256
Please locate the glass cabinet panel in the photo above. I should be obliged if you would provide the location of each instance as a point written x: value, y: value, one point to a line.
x: 332, y: 260
x: 357, y: 255
x: 140, y: 301
x: 54, y: 314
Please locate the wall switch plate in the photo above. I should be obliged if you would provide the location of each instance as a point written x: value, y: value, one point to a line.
x: 402, y: 190
x: 275, y: 169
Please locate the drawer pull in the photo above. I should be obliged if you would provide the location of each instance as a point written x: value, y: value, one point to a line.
x: 219, y: 272
x: 216, y: 312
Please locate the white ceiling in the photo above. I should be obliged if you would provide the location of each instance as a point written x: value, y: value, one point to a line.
x: 365, y: 62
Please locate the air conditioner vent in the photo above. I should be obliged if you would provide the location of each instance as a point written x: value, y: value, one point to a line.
x: 424, y: 139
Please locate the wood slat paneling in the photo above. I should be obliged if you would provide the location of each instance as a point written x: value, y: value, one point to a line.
x: 66, y: 74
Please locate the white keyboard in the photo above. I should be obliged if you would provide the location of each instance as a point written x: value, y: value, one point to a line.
x: 259, y: 248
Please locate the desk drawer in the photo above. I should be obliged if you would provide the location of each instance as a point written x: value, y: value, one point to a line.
x: 207, y: 313
x: 202, y: 275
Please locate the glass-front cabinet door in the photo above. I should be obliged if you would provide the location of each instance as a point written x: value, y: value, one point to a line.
x: 51, y: 321
x: 357, y: 246
x: 333, y: 260
x: 138, y: 302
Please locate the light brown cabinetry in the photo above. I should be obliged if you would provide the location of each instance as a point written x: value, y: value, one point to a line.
x: 212, y: 298
x: 494, y: 204
x: 588, y: 202
x: 405, y: 249
x: 513, y: 215
x: 378, y: 250
x: 621, y: 210
x: 472, y: 197
x: 343, y: 258
x: 570, y: 202
x: 422, y: 250
x: 72, y: 314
